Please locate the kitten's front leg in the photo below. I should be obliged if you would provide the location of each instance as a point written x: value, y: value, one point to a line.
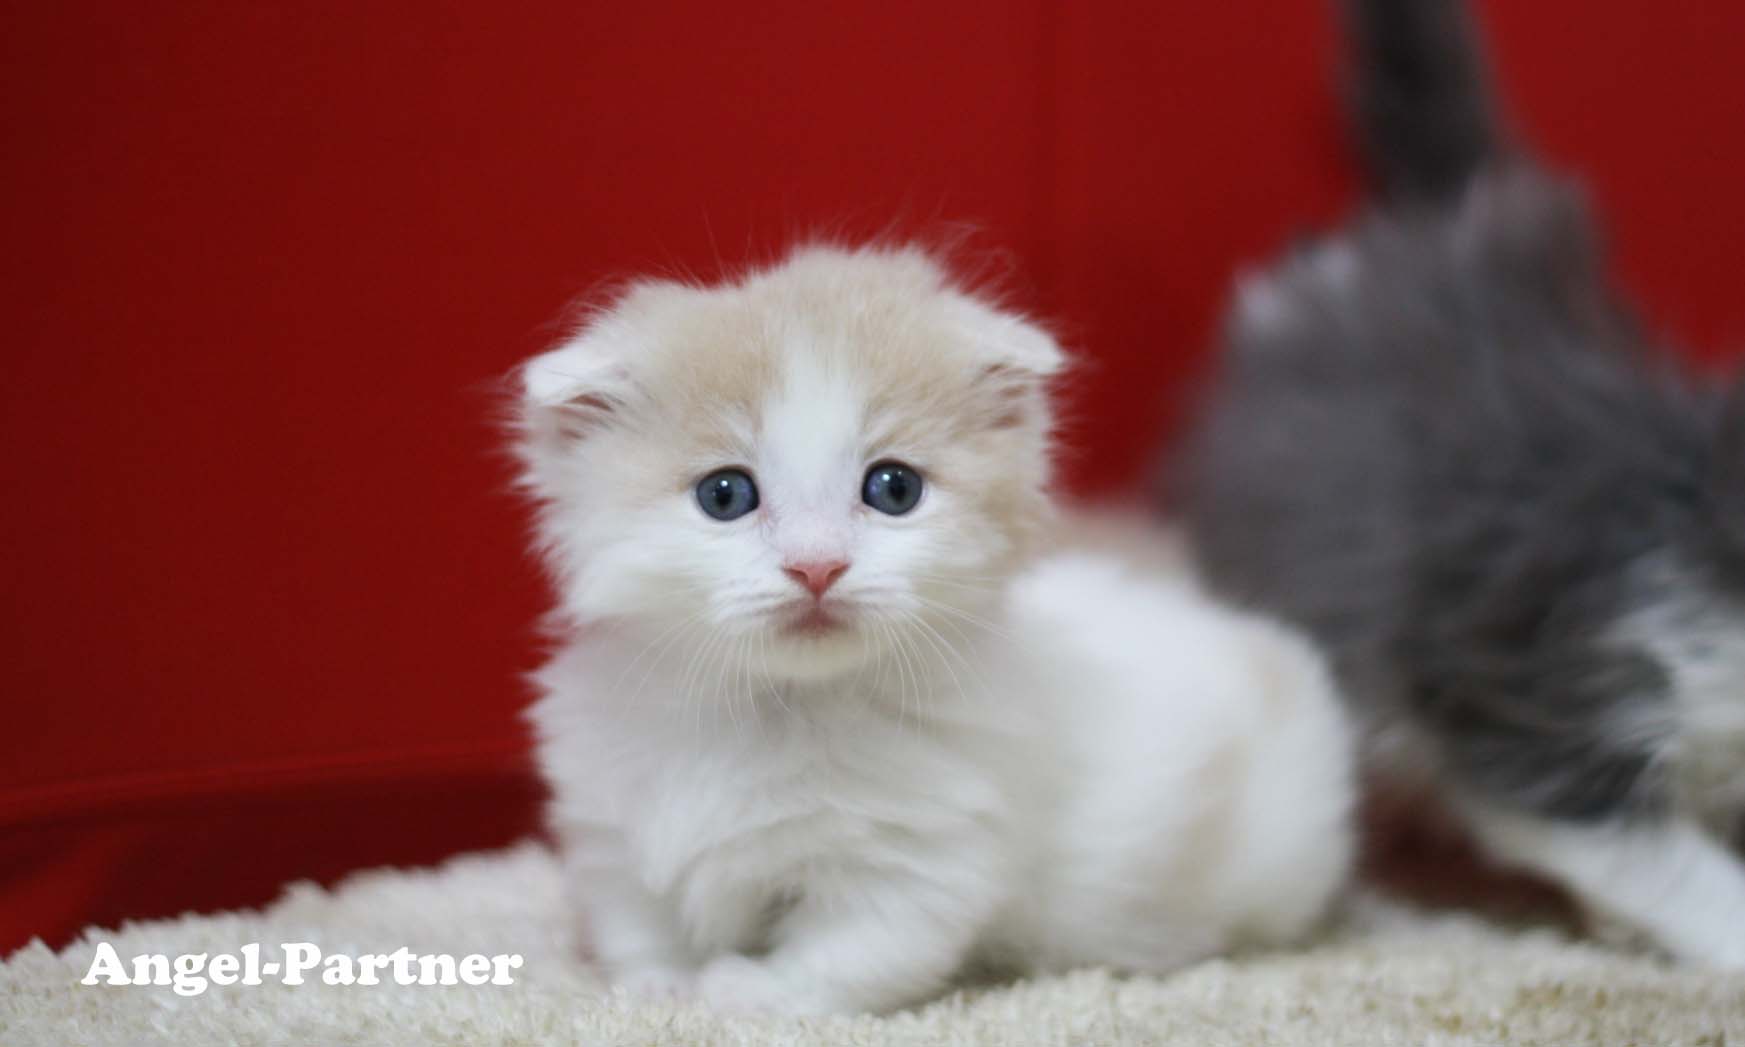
x: 869, y: 943
x: 1668, y: 878
x: 630, y: 933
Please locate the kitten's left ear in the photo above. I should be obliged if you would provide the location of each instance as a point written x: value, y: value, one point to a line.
x: 1007, y: 340
x: 1018, y: 358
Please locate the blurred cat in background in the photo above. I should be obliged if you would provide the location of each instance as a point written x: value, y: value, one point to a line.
x: 1441, y: 442
x: 822, y: 728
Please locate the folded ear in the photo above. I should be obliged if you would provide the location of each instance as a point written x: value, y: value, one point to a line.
x: 576, y: 387
x: 1017, y: 359
x: 1007, y: 340
x: 585, y: 380
x: 574, y: 369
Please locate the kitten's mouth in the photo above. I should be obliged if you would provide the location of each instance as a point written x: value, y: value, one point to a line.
x: 814, y: 620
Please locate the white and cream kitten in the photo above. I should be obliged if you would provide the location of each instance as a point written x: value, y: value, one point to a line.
x: 822, y: 730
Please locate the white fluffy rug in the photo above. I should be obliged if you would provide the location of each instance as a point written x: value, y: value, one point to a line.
x: 1384, y: 975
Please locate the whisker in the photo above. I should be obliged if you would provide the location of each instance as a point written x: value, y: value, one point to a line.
x: 660, y: 656
x: 921, y: 702
x: 935, y: 641
x: 688, y: 619
x: 769, y: 682
x: 731, y: 695
x: 694, y: 666
x: 965, y: 616
x: 774, y: 688
x: 971, y: 665
x: 901, y: 668
x: 958, y: 577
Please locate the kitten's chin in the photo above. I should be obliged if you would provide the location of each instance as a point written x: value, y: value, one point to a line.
x: 815, y: 648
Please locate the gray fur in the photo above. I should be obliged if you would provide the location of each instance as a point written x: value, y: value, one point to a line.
x: 1440, y: 442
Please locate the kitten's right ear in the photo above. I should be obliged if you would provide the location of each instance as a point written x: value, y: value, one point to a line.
x: 576, y: 388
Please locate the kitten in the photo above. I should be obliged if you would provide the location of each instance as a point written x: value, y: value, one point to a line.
x: 1440, y: 442
x: 822, y: 730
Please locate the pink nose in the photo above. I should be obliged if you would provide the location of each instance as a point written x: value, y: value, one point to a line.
x: 816, y: 575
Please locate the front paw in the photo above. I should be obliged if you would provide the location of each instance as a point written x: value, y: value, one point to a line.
x: 736, y: 984
x: 657, y: 983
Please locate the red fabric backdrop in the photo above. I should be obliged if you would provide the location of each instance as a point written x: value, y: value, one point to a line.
x: 265, y: 604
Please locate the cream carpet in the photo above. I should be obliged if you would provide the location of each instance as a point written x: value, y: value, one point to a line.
x: 1383, y: 975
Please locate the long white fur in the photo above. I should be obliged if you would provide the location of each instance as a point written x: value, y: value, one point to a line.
x: 1040, y: 762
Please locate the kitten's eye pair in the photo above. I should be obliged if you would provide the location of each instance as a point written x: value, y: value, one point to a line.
x: 890, y: 487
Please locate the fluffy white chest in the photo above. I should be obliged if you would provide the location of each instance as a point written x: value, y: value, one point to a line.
x: 733, y: 817
x: 777, y: 803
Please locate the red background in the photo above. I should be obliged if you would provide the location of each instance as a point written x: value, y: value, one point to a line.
x: 265, y: 604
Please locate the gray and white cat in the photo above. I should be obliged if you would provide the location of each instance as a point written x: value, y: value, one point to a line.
x: 1440, y: 441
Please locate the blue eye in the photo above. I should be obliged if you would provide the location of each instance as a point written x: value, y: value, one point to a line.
x: 891, y: 487
x: 727, y: 494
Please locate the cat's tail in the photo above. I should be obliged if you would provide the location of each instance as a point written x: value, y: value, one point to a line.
x: 1420, y: 96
